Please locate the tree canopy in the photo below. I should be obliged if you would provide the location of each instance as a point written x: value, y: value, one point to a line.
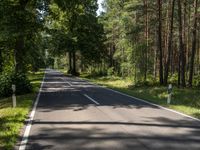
x: 148, y: 40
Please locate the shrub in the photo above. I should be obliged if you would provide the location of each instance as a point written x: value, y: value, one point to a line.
x: 22, y: 83
x: 5, y: 84
x: 173, y: 79
x: 197, y: 81
x: 110, y: 71
x: 20, y: 80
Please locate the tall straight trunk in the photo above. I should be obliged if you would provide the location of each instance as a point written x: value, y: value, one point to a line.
x: 155, y: 57
x: 188, y: 36
x: 184, y: 35
x: 159, y: 45
x: 170, y: 42
x: 18, y: 54
x: 19, y: 43
x: 198, y: 53
x: 70, y: 62
x: 74, y: 63
x: 146, y: 36
x: 194, y: 36
x: 1, y: 61
x: 181, y: 47
x: 166, y: 30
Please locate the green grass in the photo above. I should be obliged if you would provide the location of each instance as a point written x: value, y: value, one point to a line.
x: 12, y: 119
x: 183, y: 100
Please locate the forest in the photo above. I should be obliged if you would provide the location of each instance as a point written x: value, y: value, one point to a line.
x: 150, y: 41
x: 138, y: 47
x: 154, y: 40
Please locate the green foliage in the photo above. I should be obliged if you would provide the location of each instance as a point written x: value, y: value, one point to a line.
x: 12, y: 119
x: 76, y: 29
x: 110, y: 71
x: 197, y: 81
x: 20, y: 80
x: 22, y: 83
x: 173, y: 79
x: 6, y: 83
x: 21, y: 23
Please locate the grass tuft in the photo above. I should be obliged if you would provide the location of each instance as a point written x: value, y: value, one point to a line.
x: 12, y: 119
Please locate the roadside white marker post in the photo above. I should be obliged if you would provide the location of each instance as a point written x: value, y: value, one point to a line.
x: 13, y: 95
x: 169, y: 94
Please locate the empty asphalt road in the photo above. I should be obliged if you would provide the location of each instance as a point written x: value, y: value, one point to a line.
x: 75, y: 115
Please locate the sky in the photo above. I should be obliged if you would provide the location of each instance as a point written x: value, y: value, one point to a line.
x: 100, y: 8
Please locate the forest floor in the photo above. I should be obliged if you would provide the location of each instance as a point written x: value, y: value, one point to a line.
x: 183, y: 100
x: 12, y: 119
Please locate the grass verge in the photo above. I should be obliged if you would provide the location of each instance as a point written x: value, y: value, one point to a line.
x: 183, y: 100
x: 12, y: 119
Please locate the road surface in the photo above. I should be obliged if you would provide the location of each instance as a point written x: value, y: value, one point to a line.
x: 75, y: 115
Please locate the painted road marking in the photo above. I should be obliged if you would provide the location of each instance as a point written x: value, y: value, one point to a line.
x: 91, y: 99
x: 62, y: 88
x: 66, y: 82
x: 138, y: 99
x: 135, y: 98
x: 54, y: 82
x: 30, y: 120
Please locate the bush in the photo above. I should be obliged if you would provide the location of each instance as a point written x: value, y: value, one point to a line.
x: 197, y: 81
x: 22, y: 83
x: 173, y: 79
x: 110, y: 71
x: 20, y: 80
x: 5, y: 84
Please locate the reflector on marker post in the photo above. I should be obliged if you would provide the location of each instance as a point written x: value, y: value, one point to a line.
x: 14, y: 96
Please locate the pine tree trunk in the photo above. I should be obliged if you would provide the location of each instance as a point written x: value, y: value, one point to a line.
x: 198, y: 53
x: 74, y: 63
x: 1, y: 61
x: 170, y: 43
x: 194, y: 35
x: 70, y: 62
x: 181, y: 46
x: 159, y: 45
x: 146, y: 36
x: 188, y: 37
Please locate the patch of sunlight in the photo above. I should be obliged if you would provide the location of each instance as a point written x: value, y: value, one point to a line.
x: 162, y: 95
x: 141, y: 91
x: 187, y: 109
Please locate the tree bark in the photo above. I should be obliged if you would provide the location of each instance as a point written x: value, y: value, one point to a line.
x: 1, y: 61
x: 170, y: 43
x: 19, y: 44
x: 146, y: 36
x: 70, y: 62
x: 159, y: 45
x: 194, y: 45
x: 18, y: 54
x: 74, y: 63
x: 181, y: 47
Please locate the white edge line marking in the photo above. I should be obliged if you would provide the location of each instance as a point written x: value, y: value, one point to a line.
x: 135, y: 98
x: 168, y: 109
x: 66, y: 81
x: 91, y: 99
x: 63, y: 88
x: 29, y: 124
